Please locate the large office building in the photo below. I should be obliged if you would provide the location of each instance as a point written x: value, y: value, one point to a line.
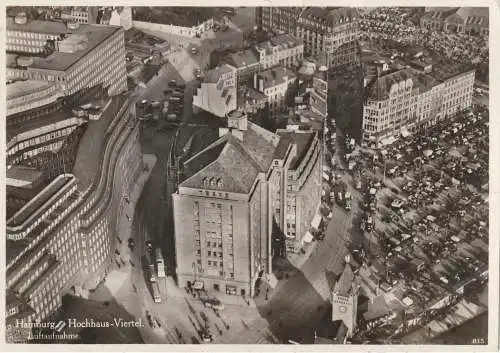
x: 217, y: 93
x: 278, y: 19
x: 246, y: 186
x: 74, y: 56
x: 61, y: 239
x: 402, y: 102
x: 330, y: 35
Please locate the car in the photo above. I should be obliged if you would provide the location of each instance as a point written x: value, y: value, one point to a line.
x: 397, y: 203
x: 214, y: 303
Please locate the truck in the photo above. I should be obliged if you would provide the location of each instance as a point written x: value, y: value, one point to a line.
x: 160, y: 263
x: 156, y: 293
x: 348, y: 201
x: 369, y: 223
x: 332, y: 197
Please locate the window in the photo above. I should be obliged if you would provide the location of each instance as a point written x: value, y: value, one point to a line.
x: 209, y: 253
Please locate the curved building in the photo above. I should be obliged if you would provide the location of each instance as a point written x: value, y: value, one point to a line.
x: 63, y: 239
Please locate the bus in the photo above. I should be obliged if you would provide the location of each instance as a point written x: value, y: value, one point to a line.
x: 160, y: 263
x: 156, y: 293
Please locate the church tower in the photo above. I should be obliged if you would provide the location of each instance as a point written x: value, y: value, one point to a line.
x: 345, y: 300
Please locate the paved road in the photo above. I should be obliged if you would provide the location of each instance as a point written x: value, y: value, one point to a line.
x: 299, y: 304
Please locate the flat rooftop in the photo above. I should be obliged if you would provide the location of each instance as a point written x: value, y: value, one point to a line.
x: 23, y: 88
x: 24, y: 213
x: 57, y: 61
x: 91, y: 144
x: 23, y: 173
x: 44, y: 120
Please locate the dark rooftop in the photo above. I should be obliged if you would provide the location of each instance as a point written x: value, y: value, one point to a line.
x: 88, y: 155
x: 303, y: 141
x: 236, y: 162
x: 243, y: 58
x: 43, y: 120
x: 59, y: 61
x: 23, y: 173
x: 36, y: 203
x: 330, y: 15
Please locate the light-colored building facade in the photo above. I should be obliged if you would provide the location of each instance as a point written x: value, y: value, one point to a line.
x: 80, y: 14
x: 274, y: 83
x: 189, y: 32
x: 330, y: 35
x: 285, y: 50
x: 81, y: 56
x: 217, y: 94
x: 26, y: 95
x: 405, y: 101
x: 234, y: 196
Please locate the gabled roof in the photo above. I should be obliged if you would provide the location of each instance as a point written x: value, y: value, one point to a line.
x: 243, y: 58
x: 275, y: 76
x: 213, y: 76
x: 330, y: 15
x: 235, y: 162
x: 344, y: 283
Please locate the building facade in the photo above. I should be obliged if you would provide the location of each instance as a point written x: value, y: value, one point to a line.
x: 302, y: 196
x: 465, y: 20
x: 278, y: 19
x: 406, y: 101
x: 345, y: 303
x: 285, y: 50
x: 275, y: 84
x: 246, y: 63
x: 217, y: 93
x: 330, y: 35
x: 26, y: 95
x: 81, y: 55
x: 62, y: 240
x: 232, y: 199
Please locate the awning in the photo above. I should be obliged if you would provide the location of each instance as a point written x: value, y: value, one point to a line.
x: 316, y: 221
x: 307, y: 238
x: 198, y: 285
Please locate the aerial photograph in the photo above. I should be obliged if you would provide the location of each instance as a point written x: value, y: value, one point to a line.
x: 247, y: 175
